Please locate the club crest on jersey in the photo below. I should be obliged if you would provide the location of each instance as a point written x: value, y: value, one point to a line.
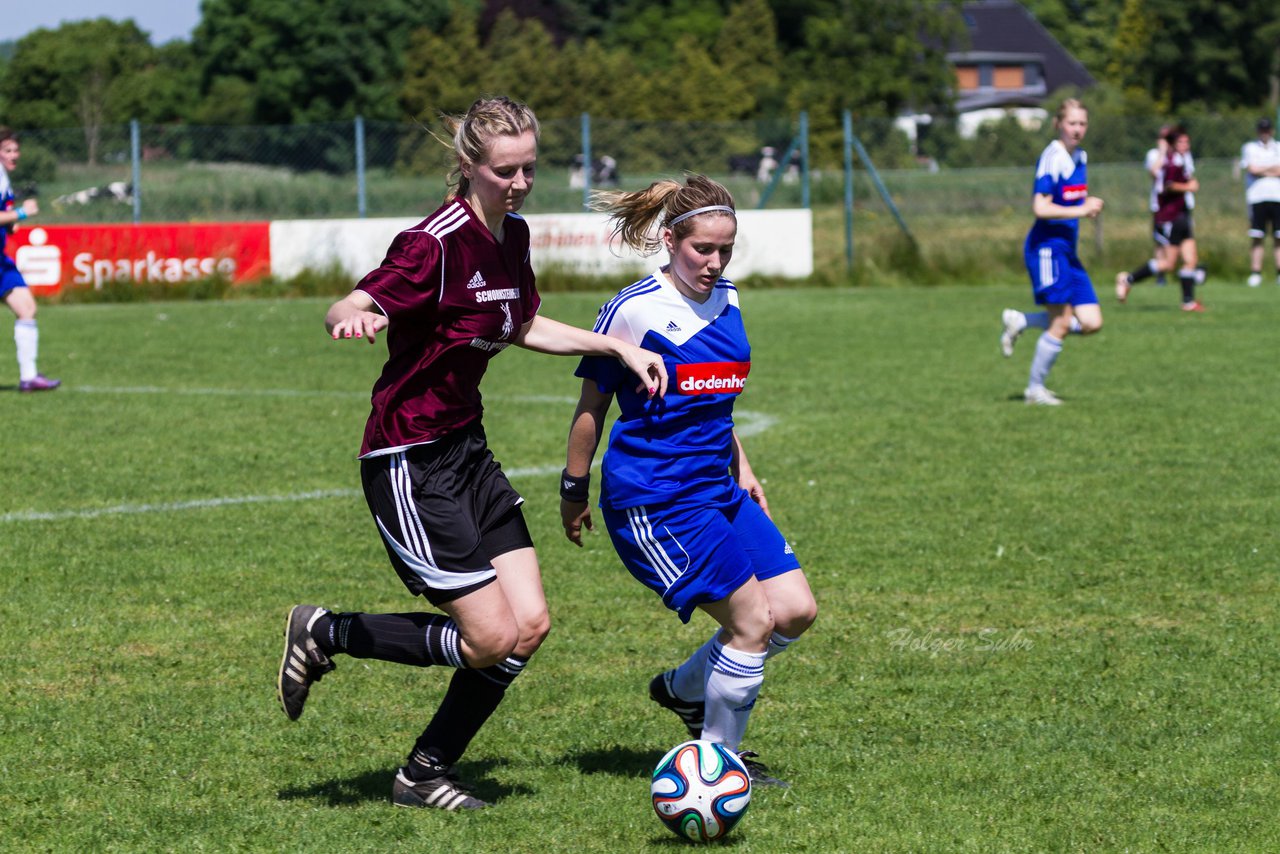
x: 477, y: 281
x: 712, y: 377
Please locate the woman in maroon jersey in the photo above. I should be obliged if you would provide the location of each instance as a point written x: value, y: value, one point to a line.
x: 453, y: 291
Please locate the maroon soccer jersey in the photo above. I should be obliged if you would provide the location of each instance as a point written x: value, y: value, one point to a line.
x: 455, y: 297
x: 1171, y: 204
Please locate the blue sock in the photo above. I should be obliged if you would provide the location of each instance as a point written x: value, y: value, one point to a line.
x: 1047, y: 350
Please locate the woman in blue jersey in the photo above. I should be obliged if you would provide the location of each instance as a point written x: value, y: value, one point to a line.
x: 1058, y: 279
x: 13, y: 288
x: 686, y: 515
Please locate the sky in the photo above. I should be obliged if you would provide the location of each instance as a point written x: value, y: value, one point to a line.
x: 162, y: 19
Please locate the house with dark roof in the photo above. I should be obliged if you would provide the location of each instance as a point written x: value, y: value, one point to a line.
x: 1009, y: 63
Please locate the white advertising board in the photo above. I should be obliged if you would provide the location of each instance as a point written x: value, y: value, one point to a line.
x: 773, y: 242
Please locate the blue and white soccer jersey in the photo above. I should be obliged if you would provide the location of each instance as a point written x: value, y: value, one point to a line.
x: 10, y: 278
x: 1057, y: 275
x: 680, y: 523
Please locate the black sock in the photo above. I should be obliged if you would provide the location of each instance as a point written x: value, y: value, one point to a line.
x: 1188, y: 281
x: 417, y: 639
x: 472, y: 698
x: 1141, y: 273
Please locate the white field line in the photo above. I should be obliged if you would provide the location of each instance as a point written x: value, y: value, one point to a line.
x: 748, y: 424
x: 288, y: 392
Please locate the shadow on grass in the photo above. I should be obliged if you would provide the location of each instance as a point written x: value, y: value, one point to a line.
x: 618, y: 761
x: 376, y: 786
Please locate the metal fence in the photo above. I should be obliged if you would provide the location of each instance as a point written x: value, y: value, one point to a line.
x: 132, y: 173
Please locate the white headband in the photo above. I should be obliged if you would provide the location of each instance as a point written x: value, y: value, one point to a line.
x: 707, y: 209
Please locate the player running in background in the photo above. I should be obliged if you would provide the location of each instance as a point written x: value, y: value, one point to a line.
x: 1154, y: 164
x: 13, y: 288
x: 1060, y: 199
x: 1260, y: 160
x: 1173, y: 226
x: 453, y: 292
x: 686, y: 514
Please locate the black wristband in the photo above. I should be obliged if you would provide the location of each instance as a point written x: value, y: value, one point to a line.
x: 575, y: 489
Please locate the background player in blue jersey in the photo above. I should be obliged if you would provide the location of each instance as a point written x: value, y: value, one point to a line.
x: 13, y: 288
x: 1058, y: 278
x: 685, y: 513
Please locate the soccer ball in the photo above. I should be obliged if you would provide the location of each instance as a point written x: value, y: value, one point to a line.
x: 700, y: 790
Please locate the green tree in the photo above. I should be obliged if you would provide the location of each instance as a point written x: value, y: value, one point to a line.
x: 747, y: 50
x: 875, y: 58
x: 524, y: 63
x: 312, y: 60
x: 82, y: 73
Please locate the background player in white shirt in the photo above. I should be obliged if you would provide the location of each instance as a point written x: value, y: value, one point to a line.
x: 1260, y: 160
x: 686, y: 514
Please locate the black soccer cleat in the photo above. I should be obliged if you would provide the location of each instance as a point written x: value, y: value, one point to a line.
x: 691, y: 714
x: 443, y: 792
x: 303, y: 662
x: 759, y: 772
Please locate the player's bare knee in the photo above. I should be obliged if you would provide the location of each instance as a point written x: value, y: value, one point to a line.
x: 532, y: 634
x: 487, y: 648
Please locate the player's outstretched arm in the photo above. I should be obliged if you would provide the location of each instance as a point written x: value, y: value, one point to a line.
x: 353, y: 316
x: 545, y: 335
x: 584, y: 438
x: 746, y: 478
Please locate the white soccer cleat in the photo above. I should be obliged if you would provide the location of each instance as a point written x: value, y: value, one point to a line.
x: 1040, y: 396
x: 1014, y: 322
x: 1255, y: 279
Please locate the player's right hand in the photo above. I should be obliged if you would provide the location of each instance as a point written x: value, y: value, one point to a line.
x: 362, y: 324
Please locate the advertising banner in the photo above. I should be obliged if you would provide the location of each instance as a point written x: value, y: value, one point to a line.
x: 89, y: 256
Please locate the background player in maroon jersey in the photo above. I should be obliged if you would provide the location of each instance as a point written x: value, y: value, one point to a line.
x: 453, y: 292
x: 1174, y: 228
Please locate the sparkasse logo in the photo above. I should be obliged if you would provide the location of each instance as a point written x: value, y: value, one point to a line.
x: 712, y: 377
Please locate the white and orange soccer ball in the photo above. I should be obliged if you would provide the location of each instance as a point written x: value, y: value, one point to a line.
x: 700, y: 790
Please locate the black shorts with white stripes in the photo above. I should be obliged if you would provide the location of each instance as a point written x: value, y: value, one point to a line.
x: 444, y: 510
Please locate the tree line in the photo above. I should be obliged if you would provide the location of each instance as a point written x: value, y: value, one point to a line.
x: 277, y: 62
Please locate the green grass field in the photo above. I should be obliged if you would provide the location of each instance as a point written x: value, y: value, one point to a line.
x: 1040, y: 630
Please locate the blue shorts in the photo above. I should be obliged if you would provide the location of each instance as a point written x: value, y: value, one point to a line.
x: 690, y: 554
x: 1057, y: 276
x: 10, y: 278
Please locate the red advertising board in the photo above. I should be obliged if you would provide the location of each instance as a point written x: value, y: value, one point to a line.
x: 54, y: 257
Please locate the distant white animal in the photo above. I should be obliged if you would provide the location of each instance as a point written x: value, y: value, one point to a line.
x: 118, y: 191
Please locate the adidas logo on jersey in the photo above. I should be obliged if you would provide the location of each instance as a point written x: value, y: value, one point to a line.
x: 477, y: 281
x: 672, y: 327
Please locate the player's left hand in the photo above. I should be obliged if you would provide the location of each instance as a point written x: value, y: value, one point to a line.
x: 575, y: 515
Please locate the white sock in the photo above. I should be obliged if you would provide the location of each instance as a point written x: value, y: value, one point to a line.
x: 689, y: 682
x: 26, y: 339
x: 1038, y: 319
x: 733, y: 682
x: 1047, y: 350
x: 1076, y: 328
x: 778, y: 645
